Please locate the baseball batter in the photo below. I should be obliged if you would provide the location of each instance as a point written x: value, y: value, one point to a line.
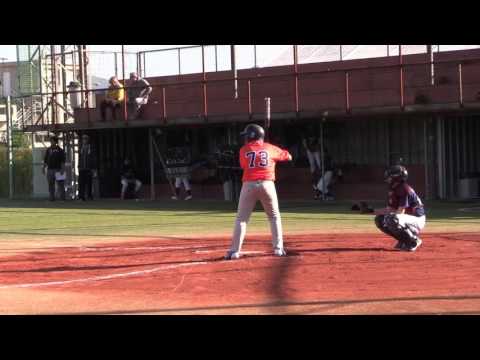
x: 258, y: 159
x: 404, y: 217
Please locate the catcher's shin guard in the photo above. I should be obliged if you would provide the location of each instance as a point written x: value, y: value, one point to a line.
x: 399, y: 232
x: 380, y: 223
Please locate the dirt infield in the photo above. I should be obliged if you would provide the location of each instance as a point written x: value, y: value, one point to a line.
x: 323, y: 274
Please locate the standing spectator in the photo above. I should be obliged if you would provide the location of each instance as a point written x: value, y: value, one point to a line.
x: 312, y: 147
x: 54, y: 168
x: 184, y: 178
x: 323, y: 186
x: 180, y: 164
x: 138, y: 92
x: 86, y: 169
x: 114, y: 98
x: 128, y: 177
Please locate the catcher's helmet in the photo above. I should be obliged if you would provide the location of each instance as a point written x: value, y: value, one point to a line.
x: 396, y: 173
x: 253, y: 132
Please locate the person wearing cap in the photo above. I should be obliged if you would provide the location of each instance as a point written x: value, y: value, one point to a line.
x: 115, y: 96
x: 86, y: 169
x: 54, y: 168
x: 138, y: 91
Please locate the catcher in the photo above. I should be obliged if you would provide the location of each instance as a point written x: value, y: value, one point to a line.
x: 404, y: 217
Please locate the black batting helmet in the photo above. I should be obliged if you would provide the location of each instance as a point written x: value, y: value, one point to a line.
x: 396, y: 173
x: 253, y: 132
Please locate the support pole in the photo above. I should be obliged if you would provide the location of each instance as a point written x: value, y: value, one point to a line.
x: 426, y: 147
x: 8, y: 114
x: 400, y: 59
x: 234, y: 70
x: 144, y: 66
x: 139, y: 65
x: 249, y: 91
x: 432, y: 66
x: 179, y: 62
x: 40, y: 75
x: 295, y: 69
x: 322, y: 158
x: 204, y: 86
x: 85, y: 74
x: 53, y: 84
x: 152, y: 164
x: 64, y: 83
x: 81, y: 74
x: 115, y: 60
x: 267, y: 117
x: 347, y: 92
x: 125, y: 111
x: 460, y: 85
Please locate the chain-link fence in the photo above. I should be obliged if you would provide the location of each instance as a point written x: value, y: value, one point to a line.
x: 15, y: 154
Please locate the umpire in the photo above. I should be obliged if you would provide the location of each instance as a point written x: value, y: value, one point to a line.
x: 86, y: 169
x: 54, y: 164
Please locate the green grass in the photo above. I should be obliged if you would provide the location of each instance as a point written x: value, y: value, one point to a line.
x: 35, y: 220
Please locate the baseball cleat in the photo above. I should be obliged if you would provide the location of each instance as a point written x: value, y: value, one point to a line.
x: 174, y: 198
x: 400, y: 246
x: 280, y: 252
x: 189, y: 197
x: 416, y: 246
x: 232, y: 255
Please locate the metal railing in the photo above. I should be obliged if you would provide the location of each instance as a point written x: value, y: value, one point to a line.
x: 249, y: 85
x: 170, y: 62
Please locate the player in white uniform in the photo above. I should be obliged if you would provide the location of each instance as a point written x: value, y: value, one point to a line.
x: 258, y: 159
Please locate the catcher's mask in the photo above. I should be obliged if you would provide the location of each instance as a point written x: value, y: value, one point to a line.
x: 396, y: 174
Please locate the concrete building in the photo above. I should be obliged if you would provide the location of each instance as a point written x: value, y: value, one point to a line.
x: 8, y: 84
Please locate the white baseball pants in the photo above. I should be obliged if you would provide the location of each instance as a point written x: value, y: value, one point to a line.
x: 314, y: 160
x: 414, y: 223
x: 251, y: 192
x: 125, y: 182
x: 184, y: 180
x: 325, y: 181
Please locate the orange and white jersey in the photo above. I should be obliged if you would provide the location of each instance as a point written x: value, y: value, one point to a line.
x: 258, y: 159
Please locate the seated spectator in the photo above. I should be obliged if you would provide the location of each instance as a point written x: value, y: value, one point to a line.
x: 128, y: 178
x: 138, y: 92
x: 114, y: 98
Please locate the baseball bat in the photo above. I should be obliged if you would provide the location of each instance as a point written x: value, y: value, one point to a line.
x: 159, y: 154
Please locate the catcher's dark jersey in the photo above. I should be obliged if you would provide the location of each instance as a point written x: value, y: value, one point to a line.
x: 404, y: 196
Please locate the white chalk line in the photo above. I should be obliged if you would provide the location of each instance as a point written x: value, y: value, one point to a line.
x: 471, y: 209
x: 100, y: 249
x: 223, y: 250
x: 122, y: 248
x: 104, y: 277
x: 86, y: 248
